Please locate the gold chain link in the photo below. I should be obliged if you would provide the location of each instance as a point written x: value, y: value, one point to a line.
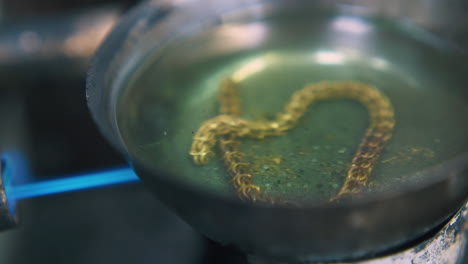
x: 229, y: 127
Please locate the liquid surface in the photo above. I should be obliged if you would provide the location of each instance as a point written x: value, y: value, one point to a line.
x: 175, y: 91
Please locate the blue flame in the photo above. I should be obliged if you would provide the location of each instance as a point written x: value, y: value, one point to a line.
x: 14, y: 172
x: 15, y: 178
x: 73, y: 183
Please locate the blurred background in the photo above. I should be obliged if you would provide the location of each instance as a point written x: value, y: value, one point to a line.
x: 27, y: 9
x: 45, y: 50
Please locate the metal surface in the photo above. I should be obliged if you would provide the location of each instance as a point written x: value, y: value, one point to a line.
x: 447, y: 246
x: 357, y: 229
x: 120, y: 225
x: 361, y: 229
x: 13, y: 144
x: 7, y: 219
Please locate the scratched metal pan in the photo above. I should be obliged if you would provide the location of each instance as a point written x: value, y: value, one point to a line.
x: 154, y: 81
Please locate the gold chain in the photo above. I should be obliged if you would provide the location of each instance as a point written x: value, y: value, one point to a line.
x: 229, y: 127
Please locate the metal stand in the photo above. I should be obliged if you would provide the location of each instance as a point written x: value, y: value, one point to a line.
x: 448, y: 246
x: 7, y: 219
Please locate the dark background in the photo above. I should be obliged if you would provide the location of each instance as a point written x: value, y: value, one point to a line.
x: 26, y: 9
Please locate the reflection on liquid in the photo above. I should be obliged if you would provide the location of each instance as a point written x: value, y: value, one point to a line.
x: 378, y: 63
x: 351, y: 25
x: 323, y: 57
x: 232, y: 37
x: 329, y: 57
x: 254, y: 66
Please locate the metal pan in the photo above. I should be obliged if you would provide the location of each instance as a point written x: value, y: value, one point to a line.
x: 353, y: 229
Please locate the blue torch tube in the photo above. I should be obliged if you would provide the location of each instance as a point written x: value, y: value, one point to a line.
x: 17, y: 186
x: 72, y: 183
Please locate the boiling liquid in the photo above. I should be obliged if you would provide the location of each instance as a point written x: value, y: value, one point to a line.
x: 176, y: 90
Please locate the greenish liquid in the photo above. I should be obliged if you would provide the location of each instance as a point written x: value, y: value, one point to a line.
x: 174, y: 91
